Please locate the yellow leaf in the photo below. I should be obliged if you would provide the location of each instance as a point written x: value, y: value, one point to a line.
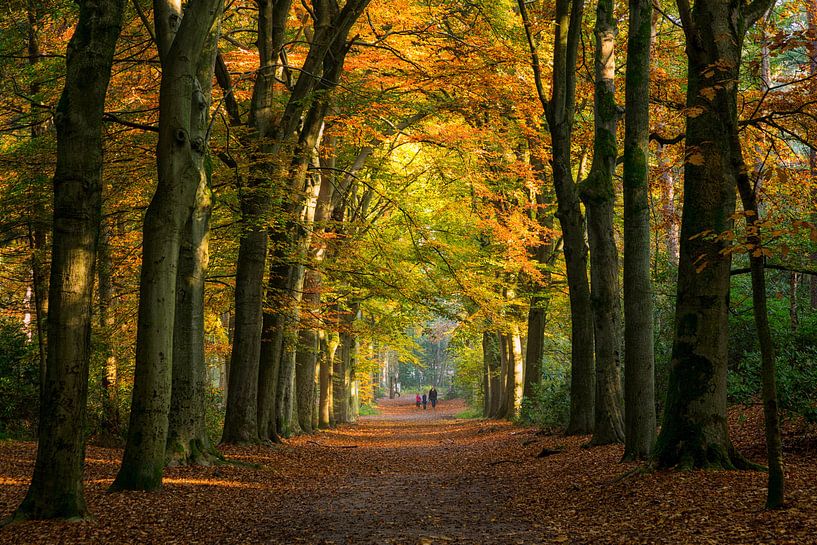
x: 695, y: 158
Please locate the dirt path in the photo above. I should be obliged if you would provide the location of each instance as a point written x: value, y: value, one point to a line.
x: 424, y: 477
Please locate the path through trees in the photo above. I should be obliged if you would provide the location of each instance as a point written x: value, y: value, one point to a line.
x: 422, y: 477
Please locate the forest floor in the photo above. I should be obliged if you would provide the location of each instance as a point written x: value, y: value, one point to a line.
x: 408, y: 476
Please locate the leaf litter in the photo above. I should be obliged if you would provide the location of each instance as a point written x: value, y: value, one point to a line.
x: 425, y: 477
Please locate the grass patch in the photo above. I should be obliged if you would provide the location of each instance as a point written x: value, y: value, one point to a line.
x: 368, y: 410
x: 470, y: 412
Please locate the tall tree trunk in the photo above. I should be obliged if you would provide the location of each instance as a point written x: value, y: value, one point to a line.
x: 495, y: 373
x: 504, y: 372
x: 272, y: 339
x: 180, y: 152
x: 39, y: 285
x: 252, y: 369
x: 774, y: 443
x: 544, y: 255
x: 187, y: 441
x: 559, y: 112
x: 599, y: 198
x: 488, y: 359
x: 56, y: 487
x: 639, y: 380
x: 344, y: 365
x: 329, y: 346
x: 110, y: 374
x: 518, y: 372
x: 695, y: 432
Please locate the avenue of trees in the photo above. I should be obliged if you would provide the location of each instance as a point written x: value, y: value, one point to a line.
x: 239, y: 221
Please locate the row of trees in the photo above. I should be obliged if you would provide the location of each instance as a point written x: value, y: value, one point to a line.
x: 360, y: 168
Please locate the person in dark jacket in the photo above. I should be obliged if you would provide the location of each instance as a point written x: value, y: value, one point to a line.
x: 432, y: 397
x: 425, y: 400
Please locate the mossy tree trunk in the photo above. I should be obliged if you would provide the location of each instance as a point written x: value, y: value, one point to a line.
x: 56, y: 486
x: 639, y: 380
x: 559, y: 112
x: 599, y: 199
x: 695, y: 431
x: 180, y: 152
x: 187, y: 441
x: 247, y: 415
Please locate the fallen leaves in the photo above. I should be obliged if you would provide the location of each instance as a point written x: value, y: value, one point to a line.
x: 426, y: 477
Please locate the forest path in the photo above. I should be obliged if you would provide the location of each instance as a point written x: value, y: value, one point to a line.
x: 408, y: 476
x: 414, y: 476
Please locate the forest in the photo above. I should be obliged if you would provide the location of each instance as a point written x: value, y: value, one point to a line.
x: 239, y: 238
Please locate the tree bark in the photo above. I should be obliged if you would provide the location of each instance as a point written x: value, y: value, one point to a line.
x: 639, y: 380
x: 327, y: 403
x: 180, y: 153
x: 56, y: 487
x: 544, y: 255
x: 599, y: 198
x: 774, y: 444
x: 111, y: 420
x: 253, y: 369
x: 559, y: 111
x: 695, y: 432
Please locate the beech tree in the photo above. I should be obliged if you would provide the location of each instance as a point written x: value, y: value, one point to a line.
x: 639, y: 391
x: 56, y: 489
x: 559, y: 112
x: 180, y: 156
x: 695, y: 431
x: 599, y: 198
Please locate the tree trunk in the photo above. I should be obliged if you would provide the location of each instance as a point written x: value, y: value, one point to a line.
x: 774, y: 444
x: 540, y: 300
x: 559, y: 112
x: 495, y: 373
x: 241, y: 420
x: 328, y: 348
x: 39, y: 285
x: 187, y: 441
x: 488, y: 355
x: 639, y: 379
x: 599, y: 198
x: 180, y: 153
x: 253, y: 368
x: 111, y: 424
x: 56, y: 487
x: 272, y: 339
x: 695, y: 432
x: 504, y: 371
x: 307, y: 358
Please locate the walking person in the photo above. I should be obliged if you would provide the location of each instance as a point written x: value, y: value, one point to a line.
x: 432, y: 397
x: 425, y: 401
x: 418, y: 400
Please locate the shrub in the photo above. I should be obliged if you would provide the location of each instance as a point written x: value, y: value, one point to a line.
x: 19, y: 381
x: 549, y: 407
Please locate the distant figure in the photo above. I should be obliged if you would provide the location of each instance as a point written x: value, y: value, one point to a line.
x: 418, y: 400
x: 425, y: 400
x: 432, y: 397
